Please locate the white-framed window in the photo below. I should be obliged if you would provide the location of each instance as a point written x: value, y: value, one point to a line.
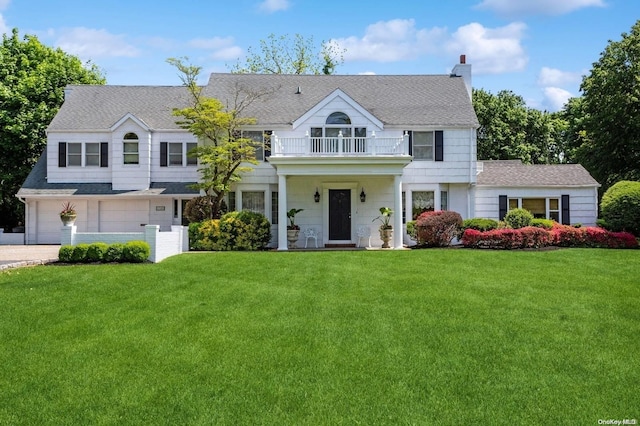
x: 540, y: 208
x: 83, y: 154
x: 423, y: 145
x: 261, y: 139
x: 130, y: 149
x: 444, y: 200
x: 338, y: 123
x: 421, y: 201
x: 253, y: 201
x: 177, y: 154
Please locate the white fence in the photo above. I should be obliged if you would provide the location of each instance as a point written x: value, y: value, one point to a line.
x: 16, y: 238
x: 163, y: 244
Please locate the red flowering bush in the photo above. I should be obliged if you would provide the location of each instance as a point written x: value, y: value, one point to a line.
x: 560, y: 235
x: 437, y: 228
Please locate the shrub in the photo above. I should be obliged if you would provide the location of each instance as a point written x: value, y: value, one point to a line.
x: 412, y: 231
x: 198, y: 209
x: 65, y: 253
x: 96, y: 252
x: 437, y: 228
x: 479, y: 224
x: 80, y: 253
x: 620, y: 207
x: 114, y: 253
x: 244, y: 230
x: 568, y: 236
x: 518, y: 218
x: 204, y: 235
x: 136, y: 251
x: 543, y: 223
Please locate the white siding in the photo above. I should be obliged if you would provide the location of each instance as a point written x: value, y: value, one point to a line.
x: 582, y: 201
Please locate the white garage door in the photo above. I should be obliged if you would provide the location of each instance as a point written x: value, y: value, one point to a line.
x: 48, y: 223
x: 123, y: 215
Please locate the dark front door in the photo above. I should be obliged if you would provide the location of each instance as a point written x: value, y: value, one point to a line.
x: 340, y: 214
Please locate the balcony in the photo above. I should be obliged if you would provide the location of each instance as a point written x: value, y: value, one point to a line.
x: 339, y: 146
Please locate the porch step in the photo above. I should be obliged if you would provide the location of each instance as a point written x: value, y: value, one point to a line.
x: 339, y: 245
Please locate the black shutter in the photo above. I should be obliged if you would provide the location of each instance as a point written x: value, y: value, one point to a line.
x: 267, y: 144
x: 566, y: 217
x: 104, y: 154
x: 163, y: 154
x: 502, y: 207
x: 62, y: 154
x: 410, y: 140
x: 439, y: 145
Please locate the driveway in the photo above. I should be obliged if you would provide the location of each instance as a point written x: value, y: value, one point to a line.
x: 16, y: 256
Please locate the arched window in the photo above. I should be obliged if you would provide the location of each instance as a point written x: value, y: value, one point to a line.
x: 339, y: 123
x: 130, y: 153
x: 338, y: 118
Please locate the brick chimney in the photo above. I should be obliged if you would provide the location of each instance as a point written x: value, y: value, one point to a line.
x: 463, y: 70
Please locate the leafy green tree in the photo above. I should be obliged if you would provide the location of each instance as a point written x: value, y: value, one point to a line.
x: 574, y: 135
x: 223, y: 154
x: 32, y: 81
x: 285, y: 55
x: 611, y: 98
x: 510, y: 130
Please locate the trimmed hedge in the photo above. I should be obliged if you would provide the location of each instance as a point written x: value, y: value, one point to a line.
x: 133, y: 251
x: 243, y: 230
x: 437, y: 228
x: 479, y: 224
x: 620, y: 207
x: 560, y: 235
x: 518, y: 218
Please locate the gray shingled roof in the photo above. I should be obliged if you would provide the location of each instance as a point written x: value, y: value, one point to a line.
x: 404, y: 100
x: 36, y: 184
x: 512, y: 173
x: 89, y: 107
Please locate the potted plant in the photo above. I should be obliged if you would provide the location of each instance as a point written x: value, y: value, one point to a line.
x: 386, y: 230
x: 292, y: 229
x: 68, y: 214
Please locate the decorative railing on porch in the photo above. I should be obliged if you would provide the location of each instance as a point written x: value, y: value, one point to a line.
x: 339, y: 146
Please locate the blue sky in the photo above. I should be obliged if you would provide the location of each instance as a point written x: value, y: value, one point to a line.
x: 538, y: 49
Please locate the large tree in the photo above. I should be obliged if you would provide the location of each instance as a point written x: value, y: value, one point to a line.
x: 611, y: 104
x: 510, y: 130
x: 223, y: 154
x: 285, y: 55
x: 32, y: 81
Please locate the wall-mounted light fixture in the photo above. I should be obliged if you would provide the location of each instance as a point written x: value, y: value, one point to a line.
x: 316, y: 196
x: 363, y: 196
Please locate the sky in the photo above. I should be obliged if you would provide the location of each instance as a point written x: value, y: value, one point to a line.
x: 538, y: 49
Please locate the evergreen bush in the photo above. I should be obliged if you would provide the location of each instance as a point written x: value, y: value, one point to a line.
x: 620, y: 207
x: 244, y: 230
x: 114, y: 253
x: 80, y: 253
x: 96, y: 252
x: 518, y: 218
x: 136, y: 251
x: 65, y: 253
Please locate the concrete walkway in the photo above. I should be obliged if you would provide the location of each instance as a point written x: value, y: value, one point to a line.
x: 18, y: 256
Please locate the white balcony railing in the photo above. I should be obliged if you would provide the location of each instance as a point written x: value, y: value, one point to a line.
x: 339, y: 146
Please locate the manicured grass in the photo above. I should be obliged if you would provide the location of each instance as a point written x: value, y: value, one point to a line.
x: 395, y: 337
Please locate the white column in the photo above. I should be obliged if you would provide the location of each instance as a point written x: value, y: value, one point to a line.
x: 282, y: 212
x: 397, y: 212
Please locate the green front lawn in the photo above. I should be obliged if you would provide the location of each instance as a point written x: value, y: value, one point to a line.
x: 343, y: 337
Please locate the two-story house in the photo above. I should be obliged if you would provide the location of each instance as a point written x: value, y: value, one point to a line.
x: 339, y: 147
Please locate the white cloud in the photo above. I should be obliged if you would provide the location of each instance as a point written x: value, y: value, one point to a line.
x: 223, y: 48
x: 556, y: 97
x: 88, y: 43
x: 367, y: 73
x: 491, y: 50
x: 389, y: 41
x: 556, y: 77
x: 537, y: 7
x: 271, y: 6
x: 3, y: 26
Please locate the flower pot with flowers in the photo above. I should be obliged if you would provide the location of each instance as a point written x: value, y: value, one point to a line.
x: 386, y: 230
x: 68, y: 214
x: 292, y: 229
